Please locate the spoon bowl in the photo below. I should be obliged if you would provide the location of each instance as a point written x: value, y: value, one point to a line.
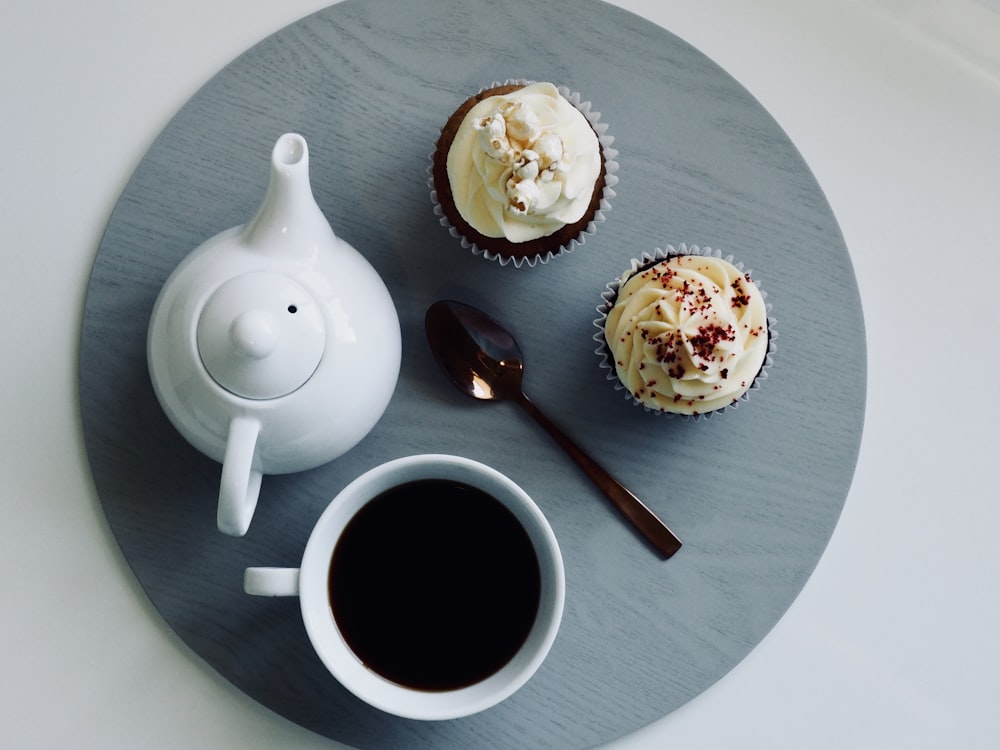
x: 483, y: 361
x: 481, y: 358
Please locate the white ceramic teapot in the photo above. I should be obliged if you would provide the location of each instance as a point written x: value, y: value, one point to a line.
x: 274, y: 346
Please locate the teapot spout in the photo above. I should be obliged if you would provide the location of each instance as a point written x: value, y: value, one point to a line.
x: 288, y: 221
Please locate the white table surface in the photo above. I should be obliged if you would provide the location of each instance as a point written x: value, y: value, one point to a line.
x: 893, y: 643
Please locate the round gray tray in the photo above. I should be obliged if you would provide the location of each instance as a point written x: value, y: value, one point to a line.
x: 755, y: 493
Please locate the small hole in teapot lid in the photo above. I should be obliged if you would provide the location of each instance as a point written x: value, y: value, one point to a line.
x: 293, y: 309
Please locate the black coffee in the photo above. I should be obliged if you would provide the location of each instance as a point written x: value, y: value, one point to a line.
x: 434, y: 585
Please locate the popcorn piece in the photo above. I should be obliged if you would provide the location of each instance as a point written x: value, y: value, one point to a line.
x: 493, y: 136
x: 526, y: 168
x: 522, y: 194
x: 550, y: 150
x: 522, y: 122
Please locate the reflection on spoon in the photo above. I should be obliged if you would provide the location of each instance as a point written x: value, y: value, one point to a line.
x: 484, y: 361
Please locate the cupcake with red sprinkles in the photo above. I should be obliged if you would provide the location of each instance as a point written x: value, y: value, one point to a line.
x: 685, y: 331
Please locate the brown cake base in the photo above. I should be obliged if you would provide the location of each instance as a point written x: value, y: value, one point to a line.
x: 501, y: 246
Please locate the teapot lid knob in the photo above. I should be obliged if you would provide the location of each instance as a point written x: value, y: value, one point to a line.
x: 255, y: 333
x: 261, y: 335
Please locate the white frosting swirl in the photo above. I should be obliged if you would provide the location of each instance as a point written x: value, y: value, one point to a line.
x: 524, y: 164
x: 687, y: 335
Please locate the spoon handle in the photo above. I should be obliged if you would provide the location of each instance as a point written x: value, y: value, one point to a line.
x: 645, y: 521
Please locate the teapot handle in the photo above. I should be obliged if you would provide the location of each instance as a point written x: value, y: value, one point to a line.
x: 240, y: 485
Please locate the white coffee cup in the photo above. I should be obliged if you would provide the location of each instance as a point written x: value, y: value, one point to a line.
x: 310, y: 582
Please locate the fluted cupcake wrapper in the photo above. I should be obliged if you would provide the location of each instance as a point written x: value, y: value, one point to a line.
x: 610, y: 294
x: 610, y: 180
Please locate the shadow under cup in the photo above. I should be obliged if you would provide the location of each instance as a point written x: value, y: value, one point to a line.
x: 432, y: 587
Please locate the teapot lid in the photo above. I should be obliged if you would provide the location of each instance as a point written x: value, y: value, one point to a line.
x: 261, y: 335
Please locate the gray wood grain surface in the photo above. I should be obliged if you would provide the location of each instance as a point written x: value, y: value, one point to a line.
x: 754, y: 493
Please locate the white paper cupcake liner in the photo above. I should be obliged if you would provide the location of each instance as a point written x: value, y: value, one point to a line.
x: 610, y: 294
x: 610, y: 180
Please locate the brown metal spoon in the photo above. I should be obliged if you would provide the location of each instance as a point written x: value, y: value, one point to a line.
x: 484, y: 361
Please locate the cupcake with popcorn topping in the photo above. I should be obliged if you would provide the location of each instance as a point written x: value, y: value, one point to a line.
x: 685, y: 331
x: 522, y: 172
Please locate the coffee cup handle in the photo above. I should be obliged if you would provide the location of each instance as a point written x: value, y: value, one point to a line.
x: 239, y: 488
x: 271, y: 581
